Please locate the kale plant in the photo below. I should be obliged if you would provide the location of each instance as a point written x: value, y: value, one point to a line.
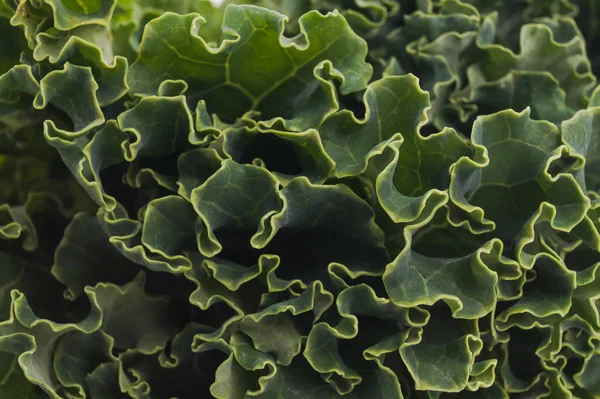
x: 307, y: 199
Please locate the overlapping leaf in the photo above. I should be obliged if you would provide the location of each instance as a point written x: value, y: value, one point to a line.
x: 295, y: 65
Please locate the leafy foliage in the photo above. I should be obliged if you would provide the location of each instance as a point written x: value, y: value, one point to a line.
x: 299, y: 199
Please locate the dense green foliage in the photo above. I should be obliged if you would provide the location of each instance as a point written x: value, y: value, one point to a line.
x: 299, y: 199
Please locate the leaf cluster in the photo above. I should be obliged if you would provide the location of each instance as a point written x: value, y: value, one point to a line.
x: 299, y: 199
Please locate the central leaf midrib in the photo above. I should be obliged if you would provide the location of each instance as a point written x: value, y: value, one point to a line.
x: 290, y: 75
